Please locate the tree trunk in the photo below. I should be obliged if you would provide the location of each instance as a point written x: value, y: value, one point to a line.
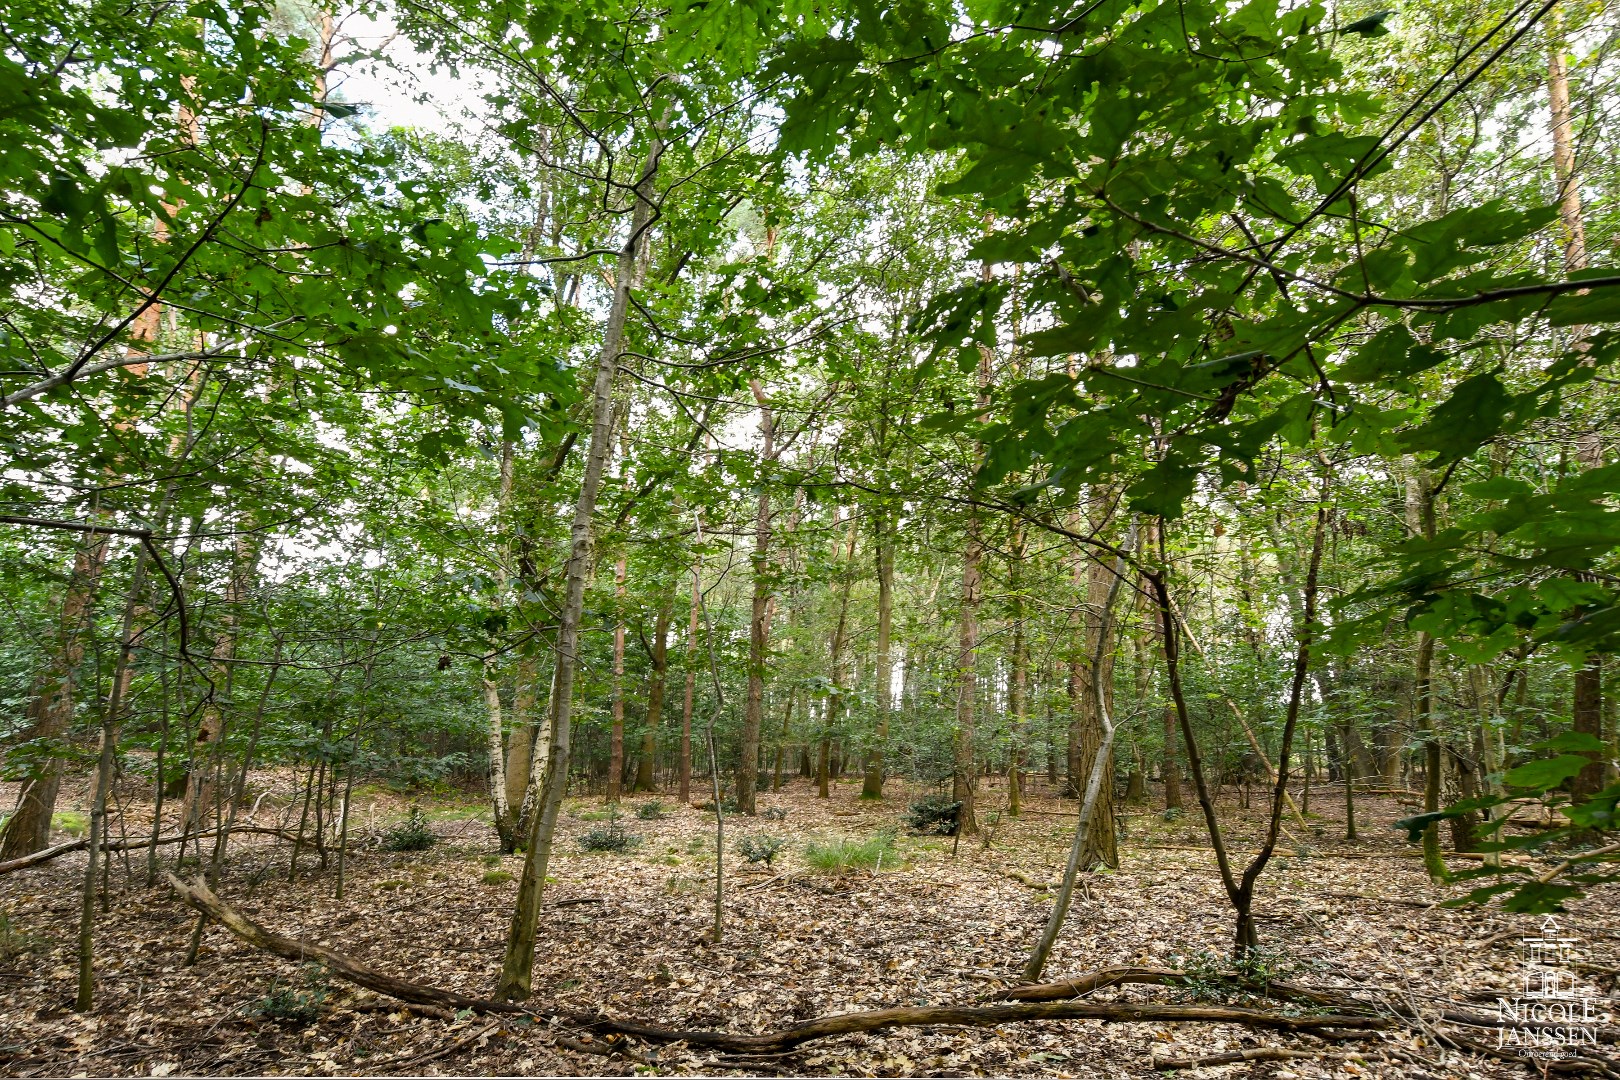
x: 505, y: 831
x: 872, y: 785
x: 520, y: 742
x: 759, y: 620
x: 1018, y: 677
x: 683, y: 769
x: 50, y: 705
x: 1095, y: 701
x: 655, y: 695
x: 615, y: 777
x: 963, y: 773
x: 516, y: 968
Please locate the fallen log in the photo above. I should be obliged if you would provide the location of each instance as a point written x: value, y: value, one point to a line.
x: 1085, y: 984
x: 44, y: 855
x: 200, y: 897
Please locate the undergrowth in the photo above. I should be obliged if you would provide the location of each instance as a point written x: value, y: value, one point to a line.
x: 842, y: 855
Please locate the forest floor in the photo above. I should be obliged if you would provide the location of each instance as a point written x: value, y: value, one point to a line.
x: 943, y: 923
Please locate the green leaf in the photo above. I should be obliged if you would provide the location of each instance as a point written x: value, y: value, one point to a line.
x: 1547, y: 773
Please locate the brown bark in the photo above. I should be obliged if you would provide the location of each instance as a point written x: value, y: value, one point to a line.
x: 883, y: 542
x: 1018, y: 677
x: 1088, y: 680
x: 50, y: 705
x: 759, y: 619
x: 655, y: 695
x: 684, y: 767
x: 615, y: 778
x: 1587, y: 697
x: 518, y: 964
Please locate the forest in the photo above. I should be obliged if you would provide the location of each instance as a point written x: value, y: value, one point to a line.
x: 809, y: 537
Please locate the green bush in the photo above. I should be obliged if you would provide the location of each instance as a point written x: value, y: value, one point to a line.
x: 842, y: 856
x: 934, y: 815
x: 759, y: 848
x: 497, y: 877
x: 611, y: 837
x: 651, y: 811
x: 412, y: 834
x: 287, y: 1005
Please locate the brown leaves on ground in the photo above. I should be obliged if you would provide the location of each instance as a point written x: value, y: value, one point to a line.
x: 951, y: 924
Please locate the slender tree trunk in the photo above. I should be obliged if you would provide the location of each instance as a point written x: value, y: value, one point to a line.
x: 1018, y: 677
x: 518, y: 965
x: 496, y: 740
x: 655, y: 695
x: 211, y: 720
x: 106, y: 761
x: 684, y: 768
x: 759, y: 621
x: 963, y: 774
x: 1587, y: 697
x: 615, y: 777
x: 520, y: 741
x: 1095, y: 702
x: 1091, y: 795
x: 882, y: 532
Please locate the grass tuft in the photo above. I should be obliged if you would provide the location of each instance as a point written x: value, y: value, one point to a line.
x: 841, y: 855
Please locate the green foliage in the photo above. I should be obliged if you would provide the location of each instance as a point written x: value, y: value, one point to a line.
x: 934, y: 815
x: 840, y: 855
x: 496, y: 877
x: 1209, y: 977
x: 299, y: 1005
x: 760, y: 847
x: 412, y: 834
x: 651, y: 811
x: 612, y: 837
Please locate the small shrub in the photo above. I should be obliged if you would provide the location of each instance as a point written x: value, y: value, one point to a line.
x: 412, y: 834
x: 728, y: 805
x: 934, y: 815
x: 611, y: 837
x: 651, y: 811
x: 760, y: 848
x: 774, y: 813
x: 840, y: 856
x: 497, y: 877
x: 1171, y: 813
x: 285, y: 1004
x: 491, y: 860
